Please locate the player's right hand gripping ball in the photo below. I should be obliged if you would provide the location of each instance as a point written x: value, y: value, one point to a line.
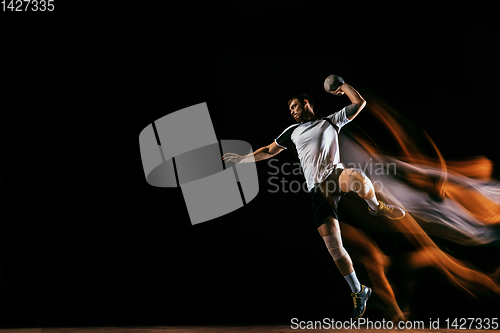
x: 332, y: 83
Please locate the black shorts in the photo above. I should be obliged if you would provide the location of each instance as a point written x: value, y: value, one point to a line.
x: 325, y: 198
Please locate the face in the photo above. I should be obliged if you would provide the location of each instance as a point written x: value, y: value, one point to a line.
x: 297, y: 110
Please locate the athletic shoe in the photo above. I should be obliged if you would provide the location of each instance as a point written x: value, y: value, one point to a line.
x: 360, y: 301
x: 389, y: 211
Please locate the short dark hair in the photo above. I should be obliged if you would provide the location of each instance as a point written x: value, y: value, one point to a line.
x: 301, y: 98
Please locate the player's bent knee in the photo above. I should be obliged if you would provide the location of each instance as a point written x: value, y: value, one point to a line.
x: 358, y: 182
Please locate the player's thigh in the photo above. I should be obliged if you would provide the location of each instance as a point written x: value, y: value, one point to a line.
x: 329, y: 227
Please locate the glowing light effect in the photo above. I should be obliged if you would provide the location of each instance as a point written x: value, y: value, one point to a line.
x: 454, y: 200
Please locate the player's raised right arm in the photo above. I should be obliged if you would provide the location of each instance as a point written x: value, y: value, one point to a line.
x: 260, y: 154
x: 358, y: 102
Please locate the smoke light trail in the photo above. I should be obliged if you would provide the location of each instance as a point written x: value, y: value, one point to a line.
x: 453, y: 200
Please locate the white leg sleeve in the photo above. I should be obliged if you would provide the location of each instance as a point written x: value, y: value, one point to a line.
x: 334, y: 246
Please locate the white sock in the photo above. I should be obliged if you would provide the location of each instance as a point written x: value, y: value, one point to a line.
x: 373, y: 203
x: 352, y: 279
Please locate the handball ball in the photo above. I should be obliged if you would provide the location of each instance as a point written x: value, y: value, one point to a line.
x: 332, y: 83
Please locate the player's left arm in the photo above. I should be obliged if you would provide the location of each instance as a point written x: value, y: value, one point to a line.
x: 358, y: 102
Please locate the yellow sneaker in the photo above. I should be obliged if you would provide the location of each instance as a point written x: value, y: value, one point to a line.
x: 359, y: 300
x: 389, y: 211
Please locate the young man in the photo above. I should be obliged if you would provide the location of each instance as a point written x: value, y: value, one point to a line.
x: 316, y: 142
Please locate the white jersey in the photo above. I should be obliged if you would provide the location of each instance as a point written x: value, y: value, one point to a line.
x: 317, y: 146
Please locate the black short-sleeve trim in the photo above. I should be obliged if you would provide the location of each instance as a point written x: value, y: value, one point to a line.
x: 284, y: 140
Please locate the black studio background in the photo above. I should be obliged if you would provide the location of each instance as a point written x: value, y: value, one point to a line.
x: 85, y: 240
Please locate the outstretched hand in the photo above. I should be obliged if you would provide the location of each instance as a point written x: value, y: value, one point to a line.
x: 229, y: 157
